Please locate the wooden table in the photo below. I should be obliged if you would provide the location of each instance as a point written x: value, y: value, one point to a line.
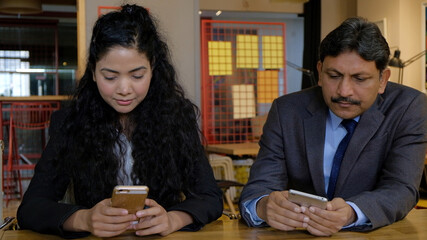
x: 249, y: 148
x: 414, y: 226
x: 35, y: 98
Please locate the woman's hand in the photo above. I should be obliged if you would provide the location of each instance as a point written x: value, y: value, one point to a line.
x: 102, y: 220
x: 155, y: 220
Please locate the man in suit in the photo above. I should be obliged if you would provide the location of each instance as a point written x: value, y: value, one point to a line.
x: 377, y: 181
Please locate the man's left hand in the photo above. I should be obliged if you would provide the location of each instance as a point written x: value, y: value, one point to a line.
x: 327, y: 222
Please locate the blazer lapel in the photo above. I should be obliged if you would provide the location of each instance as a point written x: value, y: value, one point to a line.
x: 368, y: 125
x: 314, y: 135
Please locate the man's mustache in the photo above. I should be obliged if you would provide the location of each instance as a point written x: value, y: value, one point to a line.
x: 345, y: 99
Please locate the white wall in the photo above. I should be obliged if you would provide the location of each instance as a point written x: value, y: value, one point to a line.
x: 178, y: 23
x: 294, y: 52
x: 405, y: 29
x: 334, y: 12
x: 405, y: 23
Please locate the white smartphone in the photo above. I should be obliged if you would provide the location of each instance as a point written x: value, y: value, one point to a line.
x: 307, y: 199
x: 131, y: 198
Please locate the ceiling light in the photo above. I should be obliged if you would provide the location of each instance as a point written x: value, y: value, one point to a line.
x: 21, y: 6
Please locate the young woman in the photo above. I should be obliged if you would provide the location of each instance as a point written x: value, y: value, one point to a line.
x: 128, y: 123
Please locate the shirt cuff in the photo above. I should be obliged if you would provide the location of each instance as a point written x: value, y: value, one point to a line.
x: 250, y: 208
x: 361, y: 217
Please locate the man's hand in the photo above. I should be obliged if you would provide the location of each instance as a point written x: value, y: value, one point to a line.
x: 280, y: 213
x: 327, y: 222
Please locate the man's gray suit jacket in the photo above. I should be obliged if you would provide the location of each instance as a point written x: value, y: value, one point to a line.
x: 381, y: 169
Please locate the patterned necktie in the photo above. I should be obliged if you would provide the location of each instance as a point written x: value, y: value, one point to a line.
x: 349, y: 125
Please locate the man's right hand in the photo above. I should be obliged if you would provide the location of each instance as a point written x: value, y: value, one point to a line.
x: 280, y: 213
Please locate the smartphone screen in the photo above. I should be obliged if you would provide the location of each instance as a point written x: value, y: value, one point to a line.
x: 131, y: 198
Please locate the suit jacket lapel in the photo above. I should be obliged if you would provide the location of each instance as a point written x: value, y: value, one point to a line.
x: 368, y: 125
x: 314, y: 134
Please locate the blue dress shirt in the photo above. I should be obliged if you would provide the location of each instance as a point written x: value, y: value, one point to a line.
x: 333, y: 136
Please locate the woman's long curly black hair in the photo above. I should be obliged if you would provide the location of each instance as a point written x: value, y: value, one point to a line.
x: 166, y: 139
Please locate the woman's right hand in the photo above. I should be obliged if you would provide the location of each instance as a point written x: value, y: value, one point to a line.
x: 101, y: 220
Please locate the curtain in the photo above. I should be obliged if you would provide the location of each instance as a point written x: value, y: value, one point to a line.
x: 311, y: 41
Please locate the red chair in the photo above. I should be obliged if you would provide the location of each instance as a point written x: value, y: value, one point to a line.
x: 26, y: 118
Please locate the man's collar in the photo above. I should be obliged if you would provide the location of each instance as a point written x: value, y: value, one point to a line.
x: 336, y: 121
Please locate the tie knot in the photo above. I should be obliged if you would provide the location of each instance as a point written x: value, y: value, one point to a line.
x: 349, y: 125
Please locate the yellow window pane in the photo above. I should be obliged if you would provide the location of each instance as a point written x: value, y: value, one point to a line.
x: 243, y: 98
x: 272, y: 51
x: 219, y: 58
x: 247, y: 51
x: 267, y: 86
